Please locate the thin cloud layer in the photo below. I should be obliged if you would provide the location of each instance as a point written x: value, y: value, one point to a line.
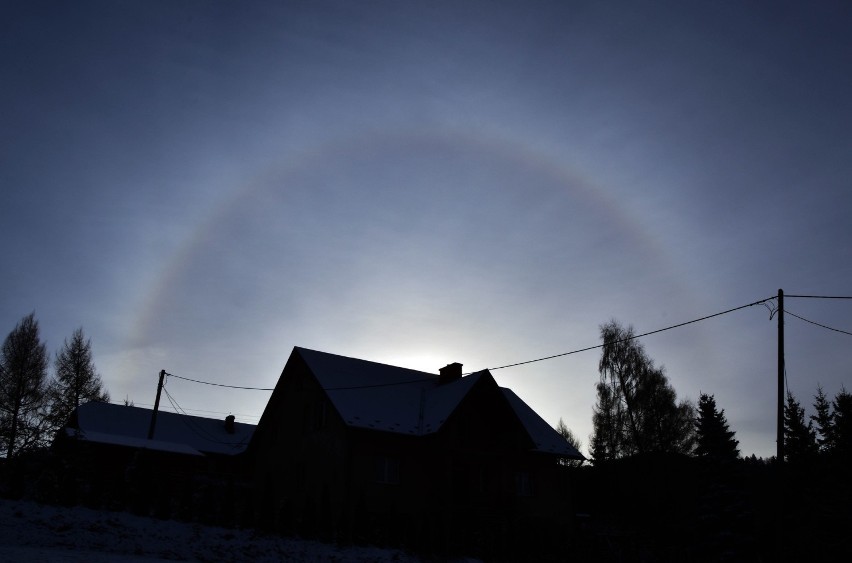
x: 205, y: 187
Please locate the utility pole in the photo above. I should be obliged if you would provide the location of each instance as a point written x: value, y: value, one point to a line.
x: 780, y: 443
x: 779, y: 514
x: 156, y: 405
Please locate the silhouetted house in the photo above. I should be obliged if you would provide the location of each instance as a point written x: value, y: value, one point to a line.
x: 356, y: 449
x: 107, y: 447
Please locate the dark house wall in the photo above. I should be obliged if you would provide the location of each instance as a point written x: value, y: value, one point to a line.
x: 494, y: 491
x: 299, y: 454
x: 205, y: 488
x: 475, y: 483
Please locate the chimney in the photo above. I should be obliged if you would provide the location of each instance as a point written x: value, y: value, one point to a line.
x: 449, y: 373
x: 229, y: 424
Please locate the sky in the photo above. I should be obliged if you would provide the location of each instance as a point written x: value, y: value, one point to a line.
x: 203, y: 186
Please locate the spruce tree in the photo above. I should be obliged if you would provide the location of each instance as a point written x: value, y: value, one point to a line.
x: 842, y: 429
x: 824, y: 420
x: 715, y: 440
x: 800, y: 444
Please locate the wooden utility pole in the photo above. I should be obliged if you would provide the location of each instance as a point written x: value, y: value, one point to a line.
x: 779, y: 513
x: 156, y: 405
x: 780, y: 444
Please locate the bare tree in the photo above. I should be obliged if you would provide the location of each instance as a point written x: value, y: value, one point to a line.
x: 23, y: 386
x: 77, y: 381
x: 637, y: 410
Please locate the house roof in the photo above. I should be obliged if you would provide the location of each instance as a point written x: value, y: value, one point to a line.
x: 377, y: 396
x: 121, y: 425
x: 545, y: 437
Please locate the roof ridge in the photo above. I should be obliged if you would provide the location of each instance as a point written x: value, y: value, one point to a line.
x: 361, y: 360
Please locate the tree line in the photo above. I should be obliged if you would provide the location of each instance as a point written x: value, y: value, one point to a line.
x: 637, y: 411
x: 826, y: 434
x: 694, y: 497
x: 33, y: 404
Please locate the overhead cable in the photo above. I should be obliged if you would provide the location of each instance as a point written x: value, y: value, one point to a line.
x: 636, y: 335
x: 198, y: 431
x: 324, y: 388
x: 817, y: 324
x: 820, y: 296
x: 759, y: 302
x: 221, y: 384
x: 586, y: 349
x: 190, y: 412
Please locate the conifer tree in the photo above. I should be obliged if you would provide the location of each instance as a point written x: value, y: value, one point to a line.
x: 23, y: 386
x: 800, y: 444
x: 824, y: 420
x: 715, y: 440
x: 77, y: 381
x: 842, y: 429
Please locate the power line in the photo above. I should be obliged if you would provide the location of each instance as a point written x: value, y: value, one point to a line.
x: 816, y: 323
x: 324, y: 388
x: 760, y: 302
x: 135, y: 404
x: 819, y: 296
x: 586, y: 349
x: 184, y: 417
x: 222, y: 384
x: 182, y: 414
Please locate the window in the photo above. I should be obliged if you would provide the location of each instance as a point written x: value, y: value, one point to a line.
x: 523, y: 484
x: 320, y: 414
x: 314, y: 414
x: 387, y: 470
x: 483, y: 482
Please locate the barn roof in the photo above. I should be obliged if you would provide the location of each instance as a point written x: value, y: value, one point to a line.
x: 121, y: 425
x: 378, y: 396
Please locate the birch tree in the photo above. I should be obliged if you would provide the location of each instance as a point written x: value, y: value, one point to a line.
x: 637, y: 409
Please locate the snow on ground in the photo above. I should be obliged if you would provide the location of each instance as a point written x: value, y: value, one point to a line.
x: 39, y: 533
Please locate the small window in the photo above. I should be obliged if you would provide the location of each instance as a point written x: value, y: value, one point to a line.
x: 320, y: 414
x: 483, y: 480
x: 387, y: 470
x: 523, y: 484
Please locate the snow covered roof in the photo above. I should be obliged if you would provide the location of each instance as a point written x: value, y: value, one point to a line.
x: 545, y: 437
x: 121, y: 425
x: 394, y: 399
x: 131, y: 442
x: 382, y: 397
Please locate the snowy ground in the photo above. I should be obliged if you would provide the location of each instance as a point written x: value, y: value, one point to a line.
x: 37, y: 533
